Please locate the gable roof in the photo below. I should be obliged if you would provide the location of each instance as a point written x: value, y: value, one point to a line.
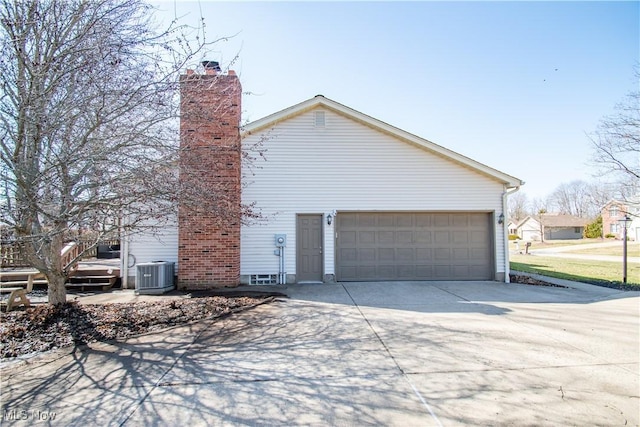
x: 563, y: 221
x: 631, y: 204
x: 321, y: 101
x: 526, y: 220
x: 557, y: 220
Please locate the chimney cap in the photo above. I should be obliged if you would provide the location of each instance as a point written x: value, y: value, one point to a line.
x: 211, y: 65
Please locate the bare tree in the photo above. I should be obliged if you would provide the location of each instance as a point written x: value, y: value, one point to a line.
x: 541, y: 223
x: 89, y: 130
x: 626, y: 188
x: 538, y: 210
x: 539, y: 205
x: 601, y: 193
x: 518, y: 206
x: 578, y: 198
x: 616, y: 142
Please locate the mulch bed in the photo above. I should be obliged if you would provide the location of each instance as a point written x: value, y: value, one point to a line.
x: 526, y: 280
x: 42, y: 328
x: 517, y: 278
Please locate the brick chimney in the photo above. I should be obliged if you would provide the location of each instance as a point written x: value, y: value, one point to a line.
x: 210, y: 173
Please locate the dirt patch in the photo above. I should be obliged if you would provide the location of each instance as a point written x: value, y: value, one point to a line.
x: 44, y: 327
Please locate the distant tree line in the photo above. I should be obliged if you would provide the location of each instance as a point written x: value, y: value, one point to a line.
x: 578, y: 198
x: 615, y: 161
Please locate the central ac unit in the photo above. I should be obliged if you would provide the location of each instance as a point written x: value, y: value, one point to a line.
x: 154, y: 278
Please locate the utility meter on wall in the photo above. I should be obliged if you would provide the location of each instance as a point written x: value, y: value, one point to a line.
x: 281, y: 240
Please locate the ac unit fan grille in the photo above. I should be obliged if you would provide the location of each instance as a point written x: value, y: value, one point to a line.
x: 155, y: 275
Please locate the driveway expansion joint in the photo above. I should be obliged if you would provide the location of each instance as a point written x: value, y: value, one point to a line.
x: 137, y: 404
x: 402, y: 372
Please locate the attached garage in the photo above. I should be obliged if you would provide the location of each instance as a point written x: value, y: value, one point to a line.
x: 361, y: 200
x: 414, y: 246
x: 342, y: 196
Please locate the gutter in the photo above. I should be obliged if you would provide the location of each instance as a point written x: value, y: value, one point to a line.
x: 505, y: 230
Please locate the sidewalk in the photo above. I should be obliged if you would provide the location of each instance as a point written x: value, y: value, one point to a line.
x: 610, y: 258
x: 568, y: 248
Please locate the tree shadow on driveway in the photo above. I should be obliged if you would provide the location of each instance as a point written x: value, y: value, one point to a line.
x: 356, y: 354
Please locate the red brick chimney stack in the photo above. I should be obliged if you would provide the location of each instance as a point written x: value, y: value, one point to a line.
x: 209, y: 234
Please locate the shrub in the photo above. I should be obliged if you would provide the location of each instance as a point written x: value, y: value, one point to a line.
x: 593, y: 230
x: 514, y: 237
x: 610, y: 236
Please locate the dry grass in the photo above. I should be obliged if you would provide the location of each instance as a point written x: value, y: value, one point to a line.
x: 588, y: 271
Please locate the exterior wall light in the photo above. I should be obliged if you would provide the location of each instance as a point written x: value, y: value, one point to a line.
x: 501, y: 219
x: 329, y: 219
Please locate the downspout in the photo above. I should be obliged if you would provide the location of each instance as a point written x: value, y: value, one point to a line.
x: 124, y: 259
x: 505, y: 230
x: 283, y: 279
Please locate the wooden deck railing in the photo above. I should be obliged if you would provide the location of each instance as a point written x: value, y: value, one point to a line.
x: 12, y: 256
x: 69, y: 253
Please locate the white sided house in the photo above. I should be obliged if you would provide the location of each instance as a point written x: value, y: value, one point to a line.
x: 347, y: 197
x: 360, y: 200
x: 551, y: 226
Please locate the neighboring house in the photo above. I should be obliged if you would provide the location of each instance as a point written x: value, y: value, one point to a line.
x: 351, y: 198
x: 554, y: 227
x: 512, y: 226
x: 529, y: 229
x: 615, y: 211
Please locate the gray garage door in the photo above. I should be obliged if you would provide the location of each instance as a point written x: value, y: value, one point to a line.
x: 414, y: 246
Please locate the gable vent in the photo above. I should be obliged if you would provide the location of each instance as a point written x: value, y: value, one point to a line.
x: 319, y: 119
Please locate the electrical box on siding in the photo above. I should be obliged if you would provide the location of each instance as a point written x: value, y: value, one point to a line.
x: 281, y: 240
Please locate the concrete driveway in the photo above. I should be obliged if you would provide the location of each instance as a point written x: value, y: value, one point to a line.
x: 401, y: 353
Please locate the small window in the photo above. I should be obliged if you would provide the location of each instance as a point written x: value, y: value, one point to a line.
x: 614, y: 228
x: 319, y: 119
x: 263, y: 279
x: 577, y: 230
x: 613, y: 211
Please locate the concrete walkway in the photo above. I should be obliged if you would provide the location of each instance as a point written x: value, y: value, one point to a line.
x: 569, y: 248
x: 394, y: 353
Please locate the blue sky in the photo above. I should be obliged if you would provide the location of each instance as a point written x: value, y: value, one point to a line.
x: 514, y: 85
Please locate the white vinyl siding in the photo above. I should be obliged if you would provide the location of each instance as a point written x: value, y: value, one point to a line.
x: 530, y: 230
x: 347, y: 166
x: 149, y: 247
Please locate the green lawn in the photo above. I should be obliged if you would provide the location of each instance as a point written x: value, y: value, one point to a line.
x: 587, y: 271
